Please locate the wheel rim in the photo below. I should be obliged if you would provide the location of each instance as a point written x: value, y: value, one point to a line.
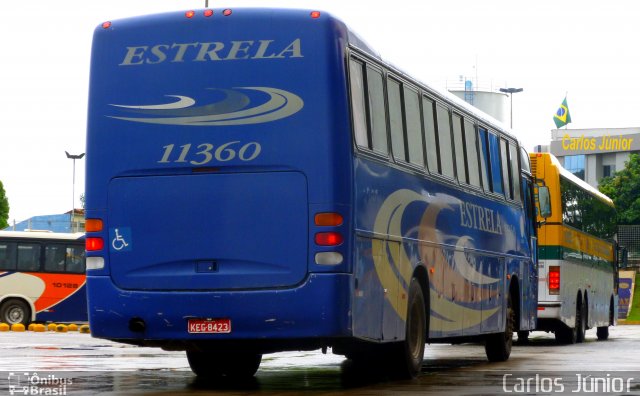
x: 15, y: 315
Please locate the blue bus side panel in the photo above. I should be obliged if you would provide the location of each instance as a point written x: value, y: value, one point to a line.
x: 468, y: 245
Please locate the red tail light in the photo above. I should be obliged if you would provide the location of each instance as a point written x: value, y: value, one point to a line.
x: 315, y: 14
x: 190, y: 14
x: 554, y: 279
x: 94, y: 244
x: 329, y: 238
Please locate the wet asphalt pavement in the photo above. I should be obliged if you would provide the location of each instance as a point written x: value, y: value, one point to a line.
x: 77, y: 364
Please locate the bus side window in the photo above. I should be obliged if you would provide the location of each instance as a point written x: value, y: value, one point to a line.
x: 396, y: 122
x: 358, y: 108
x: 515, y: 172
x: 471, y: 147
x: 494, y: 162
x: 54, y: 258
x: 458, y: 146
x: 430, y: 138
x: 484, y: 158
x: 506, y: 169
x: 376, y: 111
x: 28, y: 257
x: 444, y: 140
x: 75, y: 259
x: 414, y: 127
x: 7, y: 256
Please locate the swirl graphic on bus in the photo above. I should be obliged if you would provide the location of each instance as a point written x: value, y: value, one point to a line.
x: 458, y: 268
x: 236, y: 107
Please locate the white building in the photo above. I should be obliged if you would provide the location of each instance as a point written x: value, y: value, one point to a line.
x: 592, y: 154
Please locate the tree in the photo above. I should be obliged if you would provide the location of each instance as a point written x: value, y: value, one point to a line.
x: 4, y: 208
x: 624, y: 189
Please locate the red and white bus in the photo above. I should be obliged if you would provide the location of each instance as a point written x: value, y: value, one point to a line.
x: 42, y: 277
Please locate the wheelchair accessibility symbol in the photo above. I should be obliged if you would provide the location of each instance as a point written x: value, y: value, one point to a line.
x: 120, y: 239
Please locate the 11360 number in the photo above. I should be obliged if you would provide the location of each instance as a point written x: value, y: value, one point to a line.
x: 206, y: 152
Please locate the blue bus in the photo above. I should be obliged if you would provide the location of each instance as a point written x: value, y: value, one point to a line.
x: 260, y: 180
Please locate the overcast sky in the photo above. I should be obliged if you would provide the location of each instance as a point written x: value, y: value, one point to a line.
x: 584, y: 48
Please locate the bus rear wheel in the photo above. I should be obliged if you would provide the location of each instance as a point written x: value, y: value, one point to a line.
x: 498, y: 346
x: 211, y: 364
x: 602, y: 333
x: 565, y: 334
x: 409, y: 354
x: 581, y: 322
x: 15, y: 311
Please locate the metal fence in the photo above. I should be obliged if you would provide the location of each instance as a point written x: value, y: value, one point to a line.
x: 629, y: 237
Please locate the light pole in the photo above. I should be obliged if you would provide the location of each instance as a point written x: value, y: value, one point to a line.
x: 73, y: 188
x: 511, y: 91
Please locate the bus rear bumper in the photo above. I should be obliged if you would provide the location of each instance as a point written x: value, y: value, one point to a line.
x: 317, y: 309
x: 549, y: 310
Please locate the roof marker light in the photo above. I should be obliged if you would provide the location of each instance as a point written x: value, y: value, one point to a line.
x: 226, y: 12
x: 190, y: 14
x: 315, y: 14
x: 106, y: 25
x: 208, y: 13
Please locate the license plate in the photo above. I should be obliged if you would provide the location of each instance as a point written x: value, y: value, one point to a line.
x: 209, y: 326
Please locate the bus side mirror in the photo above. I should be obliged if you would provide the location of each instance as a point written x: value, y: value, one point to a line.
x: 544, y: 201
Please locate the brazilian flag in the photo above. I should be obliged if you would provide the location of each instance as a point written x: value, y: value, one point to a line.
x: 562, y: 116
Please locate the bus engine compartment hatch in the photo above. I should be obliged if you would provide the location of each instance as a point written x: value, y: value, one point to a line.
x: 208, y: 231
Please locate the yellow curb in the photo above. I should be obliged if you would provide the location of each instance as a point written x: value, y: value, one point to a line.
x: 73, y: 327
x: 61, y: 328
x: 51, y: 327
x: 4, y: 327
x: 628, y: 322
x: 17, y: 327
x: 39, y: 328
x: 84, y: 329
x: 31, y: 326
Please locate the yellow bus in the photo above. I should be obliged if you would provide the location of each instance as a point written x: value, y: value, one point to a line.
x: 578, y: 268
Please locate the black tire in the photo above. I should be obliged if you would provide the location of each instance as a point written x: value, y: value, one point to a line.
x: 566, y: 334
x: 210, y: 364
x: 523, y: 337
x: 498, y: 346
x: 602, y: 333
x: 15, y: 311
x: 407, y: 356
x: 581, y: 322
